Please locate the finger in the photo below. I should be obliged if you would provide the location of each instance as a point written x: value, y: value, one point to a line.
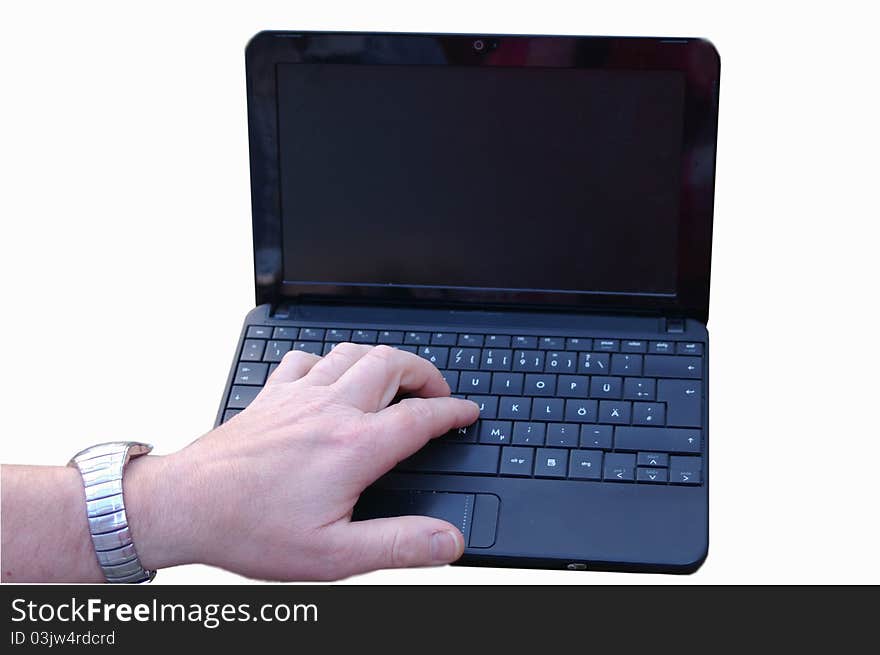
x: 398, y: 431
x: 383, y: 372
x: 398, y: 542
x: 294, y: 365
x: 335, y: 363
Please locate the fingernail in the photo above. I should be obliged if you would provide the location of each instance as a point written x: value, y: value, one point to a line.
x: 444, y: 547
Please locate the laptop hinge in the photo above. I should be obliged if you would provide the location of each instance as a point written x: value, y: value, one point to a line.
x: 675, y: 325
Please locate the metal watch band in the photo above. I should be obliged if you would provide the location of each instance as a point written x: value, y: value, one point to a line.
x: 101, y: 468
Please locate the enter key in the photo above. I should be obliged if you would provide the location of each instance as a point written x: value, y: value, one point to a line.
x: 684, y: 402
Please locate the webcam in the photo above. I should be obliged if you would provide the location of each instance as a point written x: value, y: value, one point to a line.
x: 482, y: 46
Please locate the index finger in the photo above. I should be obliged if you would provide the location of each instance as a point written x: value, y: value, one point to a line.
x: 384, y: 372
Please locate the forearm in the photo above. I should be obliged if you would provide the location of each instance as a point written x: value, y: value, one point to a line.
x: 45, y: 533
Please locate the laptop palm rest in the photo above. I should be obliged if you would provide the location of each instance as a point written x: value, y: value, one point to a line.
x: 476, y: 515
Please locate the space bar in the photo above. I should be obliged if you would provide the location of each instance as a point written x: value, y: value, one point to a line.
x: 453, y: 458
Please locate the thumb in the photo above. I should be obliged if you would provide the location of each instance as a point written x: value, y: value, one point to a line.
x: 399, y: 542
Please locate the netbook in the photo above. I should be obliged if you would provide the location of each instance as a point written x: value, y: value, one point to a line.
x: 533, y: 215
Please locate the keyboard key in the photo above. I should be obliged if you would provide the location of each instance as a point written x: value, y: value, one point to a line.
x: 579, y: 344
x: 314, y: 347
x: 633, y: 346
x: 606, y: 345
x: 602, y: 387
x: 496, y: 359
x: 259, y: 332
x: 251, y: 373
x: 560, y: 362
x: 626, y: 364
x: 330, y: 345
x: 596, y: 436
x: 252, y: 350
x: 508, y: 384
x: 551, y: 343
x: 464, y: 358
x: 667, y: 440
x: 229, y: 413
x: 572, y: 386
x: 653, y: 459
x: 639, y: 389
x: 649, y: 414
x: 497, y: 341
x: 585, y: 465
x: 437, y: 355
x: 495, y: 432
x: 514, y: 408
x: 416, y: 338
x: 551, y: 463
x: 444, y: 338
x: 528, y: 360
x: 451, y: 378
x: 615, y: 411
x: 390, y: 336
x: 286, y: 333
x: 662, y: 366
x: 581, y: 411
x: 439, y: 457
x: 488, y: 405
x: 276, y: 350
x: 517, y: 461
x: 547, y: 409
x: 525, y: 342
x: 464, y: 434
x: 305, y: 334
x: 337, y: 335
x: 408, y: 349
x: 528, y: 434
x: 662, y: 347
x: 649, y: 475
x: 594, y: 363
x: 684, y: 402
x: 685, y: 470
x: 689, y: 348
x: 619, y: 467
x: 364, y: 336
x: 474, y: 382
x: 540, y: 385
x: 472, y: 340
x: 241, y: 396
x: 272, y: 367
x: 563, y: 435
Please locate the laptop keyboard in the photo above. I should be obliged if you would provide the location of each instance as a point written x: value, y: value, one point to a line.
x: 625, y: 411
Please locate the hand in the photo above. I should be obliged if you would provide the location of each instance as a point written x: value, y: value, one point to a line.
x: 270, y: 493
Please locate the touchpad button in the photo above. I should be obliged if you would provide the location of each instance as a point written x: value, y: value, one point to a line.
x: 476, y: 515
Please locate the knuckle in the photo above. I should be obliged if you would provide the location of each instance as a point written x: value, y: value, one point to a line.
x: 416, y: 411
x: 398, y: 554
x: 384, y: 352
x: 297, y: 355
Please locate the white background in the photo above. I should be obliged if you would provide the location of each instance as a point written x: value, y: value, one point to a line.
x: 126, y: 248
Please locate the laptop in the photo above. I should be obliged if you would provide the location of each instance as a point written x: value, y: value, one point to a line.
x: 531, y: 214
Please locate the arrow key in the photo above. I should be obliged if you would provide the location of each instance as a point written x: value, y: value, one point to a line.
x: 619, y: 467
x: 651, y: 476
x: 660, y: 460
x: 685, y: 470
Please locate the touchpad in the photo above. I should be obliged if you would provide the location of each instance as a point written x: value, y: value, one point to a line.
x: 476, y: 515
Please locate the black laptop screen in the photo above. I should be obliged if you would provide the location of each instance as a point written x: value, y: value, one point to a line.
x: 491, y: 177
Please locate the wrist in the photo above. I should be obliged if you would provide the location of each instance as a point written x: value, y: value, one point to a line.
x: 159, y: 505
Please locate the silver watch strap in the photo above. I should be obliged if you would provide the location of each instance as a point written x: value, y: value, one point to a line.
x: 101, y: 468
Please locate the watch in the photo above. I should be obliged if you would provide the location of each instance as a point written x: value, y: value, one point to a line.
x: 101, y: 468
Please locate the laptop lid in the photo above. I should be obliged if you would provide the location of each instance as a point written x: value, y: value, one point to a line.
x: 482, y: 170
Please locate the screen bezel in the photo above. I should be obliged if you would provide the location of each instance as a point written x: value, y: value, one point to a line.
x: 697, y: 59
